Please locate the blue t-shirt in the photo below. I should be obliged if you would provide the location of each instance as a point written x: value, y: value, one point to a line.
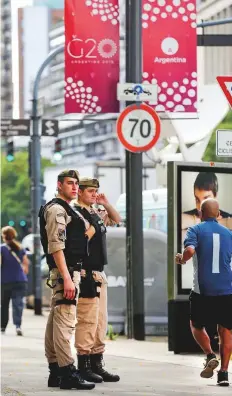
x: 11, y: 270
x: 212, y: 260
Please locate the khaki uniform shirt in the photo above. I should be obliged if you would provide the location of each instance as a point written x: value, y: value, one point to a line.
x: 102, y: 213
x: 57, y: 220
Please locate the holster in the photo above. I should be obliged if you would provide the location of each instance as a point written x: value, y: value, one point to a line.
x: 75, y: 267
x: 49, y: 284
x: 61, y: 291
x: 65, y: 301
x: 52, y: 283
x: 88, y: 286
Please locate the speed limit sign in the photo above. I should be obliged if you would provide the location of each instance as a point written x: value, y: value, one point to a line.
x: 138, y: 128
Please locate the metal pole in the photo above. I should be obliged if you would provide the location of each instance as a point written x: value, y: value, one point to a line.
x: 130, y: 333
x: 134, y: 166
x: 215, y: 23
x: 129, y: 275
x: 35, y: 183
x: 36, y: 198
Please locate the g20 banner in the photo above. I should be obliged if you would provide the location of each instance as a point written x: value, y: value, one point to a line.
x: 170, y: 53
x: 91, y: 56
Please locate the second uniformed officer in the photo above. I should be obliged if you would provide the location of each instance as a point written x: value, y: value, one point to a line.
x: 65, y: 242
x: 91, y: 326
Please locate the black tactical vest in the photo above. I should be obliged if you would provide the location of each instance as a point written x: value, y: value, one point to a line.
x: 97, y: 245
x: 76, y: 243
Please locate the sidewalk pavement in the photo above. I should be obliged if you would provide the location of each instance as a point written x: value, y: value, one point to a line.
x: 146, y: 368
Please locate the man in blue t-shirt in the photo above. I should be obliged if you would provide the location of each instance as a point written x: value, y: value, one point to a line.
x: 210, y: 245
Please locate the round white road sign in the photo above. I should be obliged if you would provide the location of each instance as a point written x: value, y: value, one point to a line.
x: 138, y: 128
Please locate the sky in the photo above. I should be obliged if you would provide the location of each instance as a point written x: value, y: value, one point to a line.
x: 50, y: 3
x: 15, y: 4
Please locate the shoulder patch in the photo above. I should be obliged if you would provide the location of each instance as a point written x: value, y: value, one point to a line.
x: 60, y: 214
x: 61, y: 234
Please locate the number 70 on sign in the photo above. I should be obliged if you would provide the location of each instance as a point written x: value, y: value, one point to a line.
x: 138, y: 128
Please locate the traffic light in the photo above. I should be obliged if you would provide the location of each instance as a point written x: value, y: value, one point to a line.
x: 58, y: 151
x: 10, y: 151
x: 11, y: 223
x: 23, y: 227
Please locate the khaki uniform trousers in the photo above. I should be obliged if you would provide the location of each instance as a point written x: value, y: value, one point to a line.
x: 61, y: 324
x: 91, y: 326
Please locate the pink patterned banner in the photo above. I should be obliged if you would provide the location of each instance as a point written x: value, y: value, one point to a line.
x: 169, y: 53
x: 91, y: 56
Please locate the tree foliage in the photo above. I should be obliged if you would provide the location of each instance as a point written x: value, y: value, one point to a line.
x: 15, y: 191
x: 210, y: 152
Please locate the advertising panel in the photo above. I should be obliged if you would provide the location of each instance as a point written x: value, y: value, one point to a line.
x: 195, y: 185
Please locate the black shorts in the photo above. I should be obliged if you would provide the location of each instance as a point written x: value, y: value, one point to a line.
x: 211, y: 310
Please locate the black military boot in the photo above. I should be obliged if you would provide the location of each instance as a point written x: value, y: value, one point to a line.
x: 54, y: 376
x: 71, y: 379
x: 85, y: 369
x: 97, y: 367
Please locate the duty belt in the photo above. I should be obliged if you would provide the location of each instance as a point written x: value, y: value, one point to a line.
x: 76, y: 267
x: 64, y: 300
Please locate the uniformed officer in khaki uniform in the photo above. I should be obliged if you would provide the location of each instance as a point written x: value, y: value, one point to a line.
x: 64, y: 237
x: 91, y: 326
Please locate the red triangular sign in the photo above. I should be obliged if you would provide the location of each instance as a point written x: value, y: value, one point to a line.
x: 226, y: 85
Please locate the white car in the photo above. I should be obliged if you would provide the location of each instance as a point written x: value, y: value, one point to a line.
x: 28, y: 244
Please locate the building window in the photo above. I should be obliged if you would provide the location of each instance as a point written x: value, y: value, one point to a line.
x: 99, y: 149
x: 70, y: 142
x: 109, y: 128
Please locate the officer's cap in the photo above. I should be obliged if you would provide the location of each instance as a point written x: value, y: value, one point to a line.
x: 88, y: 182
x: 69, y: 173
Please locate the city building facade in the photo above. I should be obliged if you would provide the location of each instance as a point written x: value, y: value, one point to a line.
x: 6, y: 61
x: 217, y: 61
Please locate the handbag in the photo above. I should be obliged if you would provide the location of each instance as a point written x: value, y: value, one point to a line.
x: 15, y: 256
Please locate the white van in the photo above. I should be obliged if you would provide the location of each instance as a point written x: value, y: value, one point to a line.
x: 154, y: 209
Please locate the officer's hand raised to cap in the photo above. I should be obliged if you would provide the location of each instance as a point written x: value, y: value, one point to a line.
x: 101, y: 199
x: 69, y: 289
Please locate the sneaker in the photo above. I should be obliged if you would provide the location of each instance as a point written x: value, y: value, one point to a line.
x: 19, y: 331
x: 3, y: 330
x: 223, y: 378
x: 210, y: 364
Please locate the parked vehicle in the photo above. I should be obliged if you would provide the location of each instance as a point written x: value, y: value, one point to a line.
x: 154, y: 209
x: 155, y: 280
